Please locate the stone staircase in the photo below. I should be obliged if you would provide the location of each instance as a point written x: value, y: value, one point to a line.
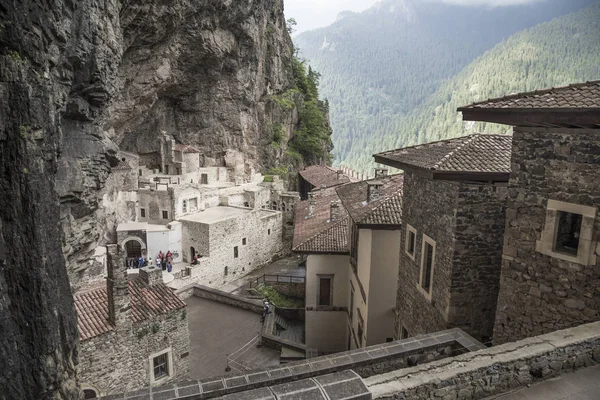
x: 292, y: 331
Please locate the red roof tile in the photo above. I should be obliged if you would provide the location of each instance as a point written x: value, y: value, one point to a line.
x: 318, y: 234
x: 146, y: 303
x: 321, y: 176
x: 387, y: 210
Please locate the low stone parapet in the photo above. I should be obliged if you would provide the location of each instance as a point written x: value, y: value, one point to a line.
x: 493, y: 370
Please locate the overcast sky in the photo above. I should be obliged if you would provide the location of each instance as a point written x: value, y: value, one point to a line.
x: 311, y: 14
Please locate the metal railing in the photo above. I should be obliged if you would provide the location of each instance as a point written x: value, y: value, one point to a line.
x: 276, y: 279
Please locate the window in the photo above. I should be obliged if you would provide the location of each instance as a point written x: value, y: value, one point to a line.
x: 140, y: 172
x: 161, y: 366
x: 165, y: 215
x: 568, y: 233
x: 427, y: 265
x: 325, y: 290
x: 235, y: 252
x: 184, y: 207
x: 143, y: 212
x: 244, y: 241
x: 268, y: 231
x: 193, y: 204
x: 246, y: 204
x: 404, y: 333
x: 411, y: 241
x: 204, y: 179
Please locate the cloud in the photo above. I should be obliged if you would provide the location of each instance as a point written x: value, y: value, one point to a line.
x: 312, y: 14
x: 494, y: 3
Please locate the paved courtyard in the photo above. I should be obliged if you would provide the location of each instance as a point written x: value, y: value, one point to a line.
x: 580, y: 385
x: 217, y: 330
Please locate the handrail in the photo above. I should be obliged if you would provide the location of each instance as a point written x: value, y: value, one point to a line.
x: 275, y: 278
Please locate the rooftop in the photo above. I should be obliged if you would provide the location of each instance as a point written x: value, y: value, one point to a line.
x: 186, y: 148
x: 318, y: 234
x: 579, y: 95
x: 478, y: 154
x: 573, y: 106
x: 215, y: 214
x: 122, y: 165
x: 387, y: 210
x: 141, y: 226
x: 146, y: 302
x: 321, y: 176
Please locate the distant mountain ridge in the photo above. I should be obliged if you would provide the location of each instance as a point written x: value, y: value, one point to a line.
x: 379, y: 66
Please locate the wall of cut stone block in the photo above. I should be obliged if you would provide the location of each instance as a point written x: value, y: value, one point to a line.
x: 540, y: 293
x: 429, y: 207
x: 118, y: 361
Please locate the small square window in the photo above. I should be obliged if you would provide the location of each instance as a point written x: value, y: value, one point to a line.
x: 568, y: 231
x: 165, y: 215
x: 244, y: 241
x: 235, y: 252
x: 161, y: 366
x: 143, y: 212
x: 268, y: 232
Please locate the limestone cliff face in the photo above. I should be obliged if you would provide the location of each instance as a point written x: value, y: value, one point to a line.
x: 205, y: 71
x: 80, y: 78
x: 53, y: 62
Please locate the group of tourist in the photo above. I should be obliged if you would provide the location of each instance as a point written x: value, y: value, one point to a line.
x: 165, y: 261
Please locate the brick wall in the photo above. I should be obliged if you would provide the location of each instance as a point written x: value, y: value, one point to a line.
x: 539, y: 293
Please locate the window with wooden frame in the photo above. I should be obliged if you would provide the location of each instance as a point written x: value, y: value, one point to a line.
x: 427, y: 266
x: 142, y: 212
x: 325, y: 290
x: 361, y: 328
x: 161, y: 366
x: 411, y: 241
x: 165, y: 215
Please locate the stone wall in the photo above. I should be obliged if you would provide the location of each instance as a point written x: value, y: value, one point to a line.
x: 540, y: 293
x: 428, y: 206
x: 155, y: 202
x: 262, y: 231
x: 118, y: 361
x: 477, y: 257
x: 492, y: 371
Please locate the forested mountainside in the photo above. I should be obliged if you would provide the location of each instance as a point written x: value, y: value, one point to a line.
x: 379, y: 65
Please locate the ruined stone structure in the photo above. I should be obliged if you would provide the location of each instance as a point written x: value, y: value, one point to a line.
x: 453, y: 211
x: 133, y: 333
x: 550, y: 262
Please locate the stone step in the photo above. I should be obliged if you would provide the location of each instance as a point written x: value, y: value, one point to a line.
x: 311, y: 352
x: 282, y: 322
x: 288, y: 355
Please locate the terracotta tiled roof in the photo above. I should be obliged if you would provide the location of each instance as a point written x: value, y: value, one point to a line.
x: 323, y: 177
x: 146, y: 302
x: 318, y: 234
x: 92, y: 313
x: 475, y: 153
x: 580, y: 95
x: 387, y: 210
x: 186, y: 148
x: 122, y: 165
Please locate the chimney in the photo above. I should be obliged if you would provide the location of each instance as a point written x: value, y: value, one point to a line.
x: 311, y: 204
x: 380, y: 172
x: 334, y: 211
x: 151, y: 275
x: 374, y: 190
x: 117, y: 288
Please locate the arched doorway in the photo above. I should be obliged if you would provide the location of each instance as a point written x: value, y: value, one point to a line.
x: 89, y: 394
x: 134, y: 249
